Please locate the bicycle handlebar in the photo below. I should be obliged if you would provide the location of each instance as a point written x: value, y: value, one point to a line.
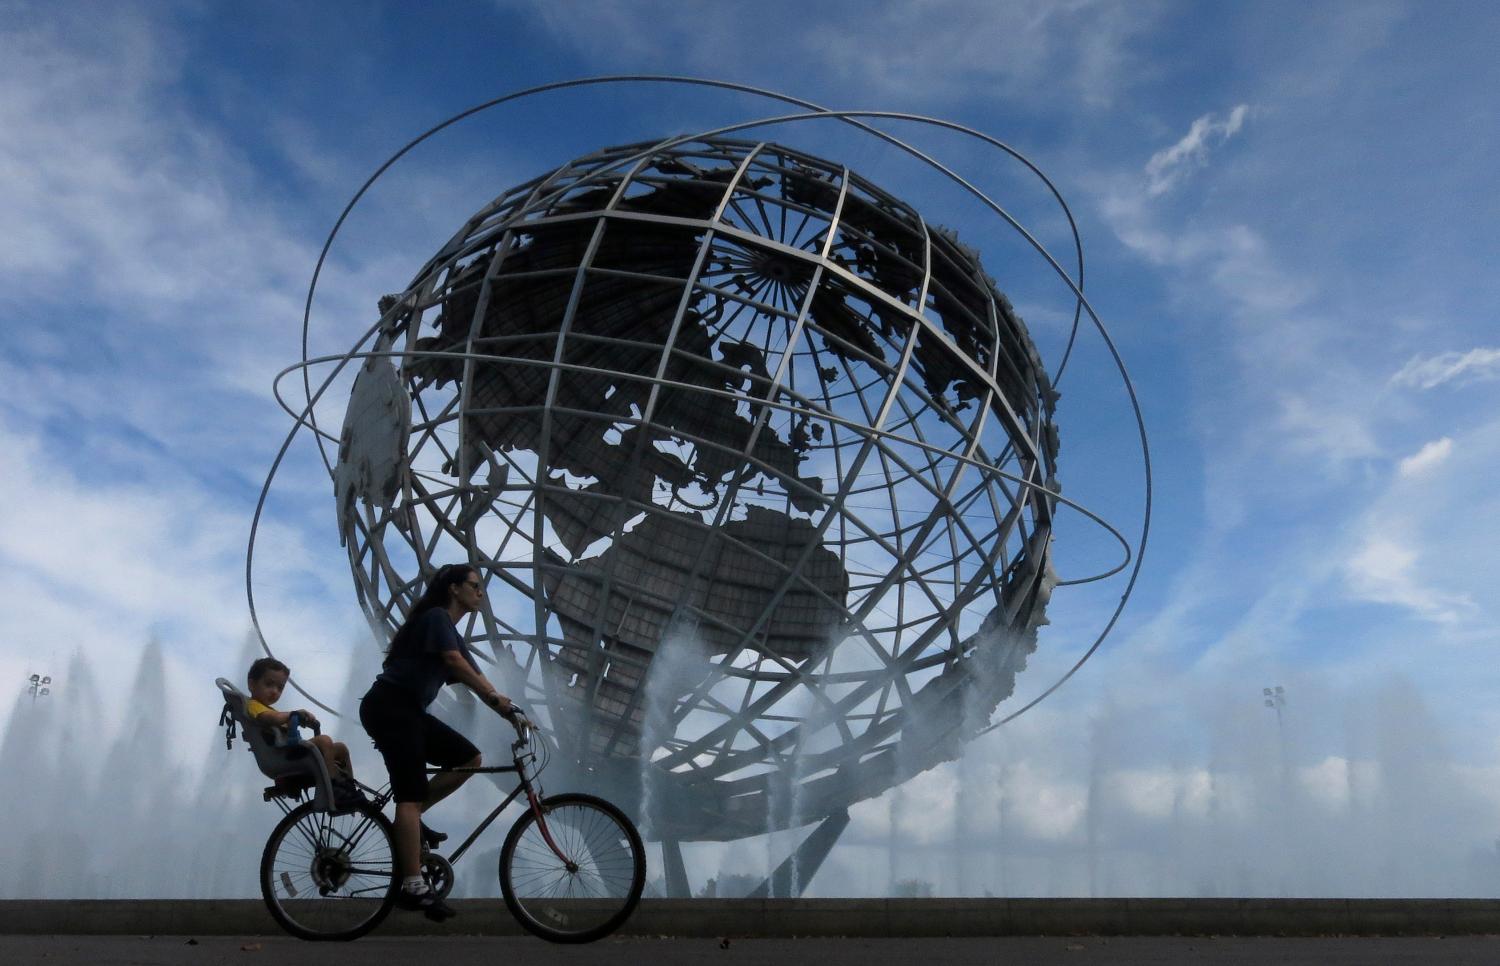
x: 528, y: 735
x: 523, y: 725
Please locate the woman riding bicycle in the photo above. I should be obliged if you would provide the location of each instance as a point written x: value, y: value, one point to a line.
x: 426, y: 653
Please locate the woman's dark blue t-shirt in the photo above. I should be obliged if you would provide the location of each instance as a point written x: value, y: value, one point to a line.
x: 415, y: 664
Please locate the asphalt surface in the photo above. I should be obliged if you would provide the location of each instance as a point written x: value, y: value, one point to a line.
x: 488, y: 951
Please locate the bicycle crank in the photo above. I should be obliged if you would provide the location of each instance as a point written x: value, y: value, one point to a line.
x: 438, y: 873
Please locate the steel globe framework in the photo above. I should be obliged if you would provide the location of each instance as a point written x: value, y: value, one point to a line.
x: 758, y: 465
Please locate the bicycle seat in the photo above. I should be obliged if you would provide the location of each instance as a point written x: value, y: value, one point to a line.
x: 294, y: 767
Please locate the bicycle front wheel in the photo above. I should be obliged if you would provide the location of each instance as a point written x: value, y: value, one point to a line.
x: 327, y: 876
x: 585, y: 887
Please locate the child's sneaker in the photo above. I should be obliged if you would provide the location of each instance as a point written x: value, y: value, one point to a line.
x: 346, y: 795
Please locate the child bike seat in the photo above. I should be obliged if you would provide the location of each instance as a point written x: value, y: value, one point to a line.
x: 294, y: 766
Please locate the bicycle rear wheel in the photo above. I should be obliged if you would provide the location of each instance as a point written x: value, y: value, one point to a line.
x: 588, y: 891
x: 327, y: 876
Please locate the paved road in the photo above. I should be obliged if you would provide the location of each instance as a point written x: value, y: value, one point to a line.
x: 478, y: 951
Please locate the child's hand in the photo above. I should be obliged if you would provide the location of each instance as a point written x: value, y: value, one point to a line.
x: 308, y: 718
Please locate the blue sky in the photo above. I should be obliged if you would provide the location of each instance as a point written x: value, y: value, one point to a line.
x: 1290, y: 218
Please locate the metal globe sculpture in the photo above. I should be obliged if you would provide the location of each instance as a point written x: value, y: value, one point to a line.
x: 757, y: 464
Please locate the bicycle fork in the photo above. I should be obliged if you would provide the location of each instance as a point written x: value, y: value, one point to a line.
x: 541, y: 821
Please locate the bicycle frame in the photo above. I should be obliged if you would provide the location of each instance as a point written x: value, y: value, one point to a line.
x: 533, y: 801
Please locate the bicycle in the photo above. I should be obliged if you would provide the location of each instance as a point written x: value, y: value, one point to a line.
x: 571, y: 870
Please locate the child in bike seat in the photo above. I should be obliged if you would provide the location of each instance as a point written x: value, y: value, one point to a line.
x: 267, y: 679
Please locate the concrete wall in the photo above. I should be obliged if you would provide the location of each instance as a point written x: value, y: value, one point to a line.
x: 824, y: 917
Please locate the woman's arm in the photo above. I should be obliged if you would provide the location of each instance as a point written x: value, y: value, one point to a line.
x: 460, y: 671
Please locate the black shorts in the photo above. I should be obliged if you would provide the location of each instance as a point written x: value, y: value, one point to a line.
x: 409, y: 739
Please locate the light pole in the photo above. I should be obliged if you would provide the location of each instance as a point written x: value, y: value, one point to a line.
x: 1276, y: 700
x: 39, y: 686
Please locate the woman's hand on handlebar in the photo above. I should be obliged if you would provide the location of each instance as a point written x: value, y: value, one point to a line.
x: 507, y: 709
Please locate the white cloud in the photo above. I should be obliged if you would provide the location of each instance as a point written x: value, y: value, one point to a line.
x: 1159, y: 793
x: 1327, y: 782
x: 160, y: 239
x: 1257, y: 311
x: 133, y: 233
x: 1318, y: 426
x: 1244, y: 269
x: 1427, y: 372
x: 110, y: 185
x: 1384, y: 570
x: 1081, y: 50
x: 1424, y: 541
x: 1426, y: 458
x: 1169, y: 166
x: 1049, y: 807
x: 1009, y: 48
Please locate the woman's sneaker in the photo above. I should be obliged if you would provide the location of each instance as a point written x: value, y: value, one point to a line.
x: 427, y: 902
x: 432, y: 838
